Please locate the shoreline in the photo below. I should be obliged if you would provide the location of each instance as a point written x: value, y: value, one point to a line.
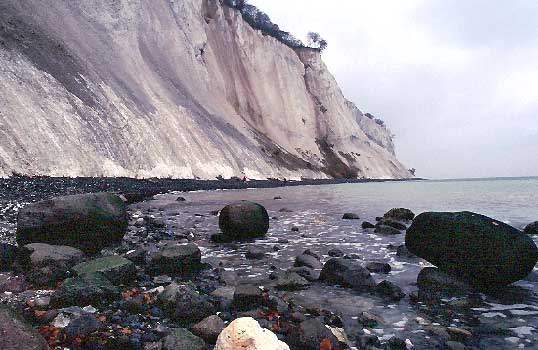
x: 306, y: 231
x: 43, y: 187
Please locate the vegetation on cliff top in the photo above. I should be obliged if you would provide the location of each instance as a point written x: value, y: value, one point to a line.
x: 261, y: 21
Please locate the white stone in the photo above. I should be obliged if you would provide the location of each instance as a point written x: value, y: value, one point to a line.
x: 339, y: 333
x: 246, y: 334
x: 89, y: 309
x: 61, y: 321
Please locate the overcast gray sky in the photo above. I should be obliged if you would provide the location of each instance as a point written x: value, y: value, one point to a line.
x: 455, y: 80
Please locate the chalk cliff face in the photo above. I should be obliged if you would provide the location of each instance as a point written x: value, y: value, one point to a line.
x: 171, y: 88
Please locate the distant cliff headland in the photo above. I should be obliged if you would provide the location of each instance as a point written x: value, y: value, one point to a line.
x: 181, y: 89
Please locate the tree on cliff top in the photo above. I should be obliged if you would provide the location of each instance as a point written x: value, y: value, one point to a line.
x: 260, y: 20
x: 315, y: 41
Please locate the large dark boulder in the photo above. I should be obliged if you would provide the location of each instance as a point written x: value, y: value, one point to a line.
x: 88, y: 222
x: 474, y: 247
x: 243, y: 220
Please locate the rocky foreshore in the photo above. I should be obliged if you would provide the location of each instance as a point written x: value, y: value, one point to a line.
x: 176, y: 271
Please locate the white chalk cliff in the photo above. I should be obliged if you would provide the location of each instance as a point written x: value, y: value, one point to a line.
x: 171, y: 88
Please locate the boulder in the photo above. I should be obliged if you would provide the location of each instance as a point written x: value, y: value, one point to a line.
x: 176, y: 259
x: 182, y: 303
x: 532, y: 228
x: 89, y: 222
x: 366, y: 225
x: 242, y: 221
x: 378, y: 267
x: 400, y: 214
x: 389, y: 290
x: 209, y: 328
x: 88, y: 289
x: 310, y: 334
x: 291, y: 281
x: 482, y: 250
x: 46, y: 264
x: 180, y: 338
x: 115, y: 268
x: 82, y: 326
x: 347, y: 273
x: 306, y: 272
x: 8, y: 254
x: 350, y: 216
x: 247, y: 297
x: 386, y: 230
x: 17, y: 334
x: 392, y: 223
x: 246, y: 333
x: 308, y: 261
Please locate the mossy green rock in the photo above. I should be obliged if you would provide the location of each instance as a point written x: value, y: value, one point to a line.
x: 243, y: 220
x: 88, y: 289
x: 484, y: 251
x: 115, y: 268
